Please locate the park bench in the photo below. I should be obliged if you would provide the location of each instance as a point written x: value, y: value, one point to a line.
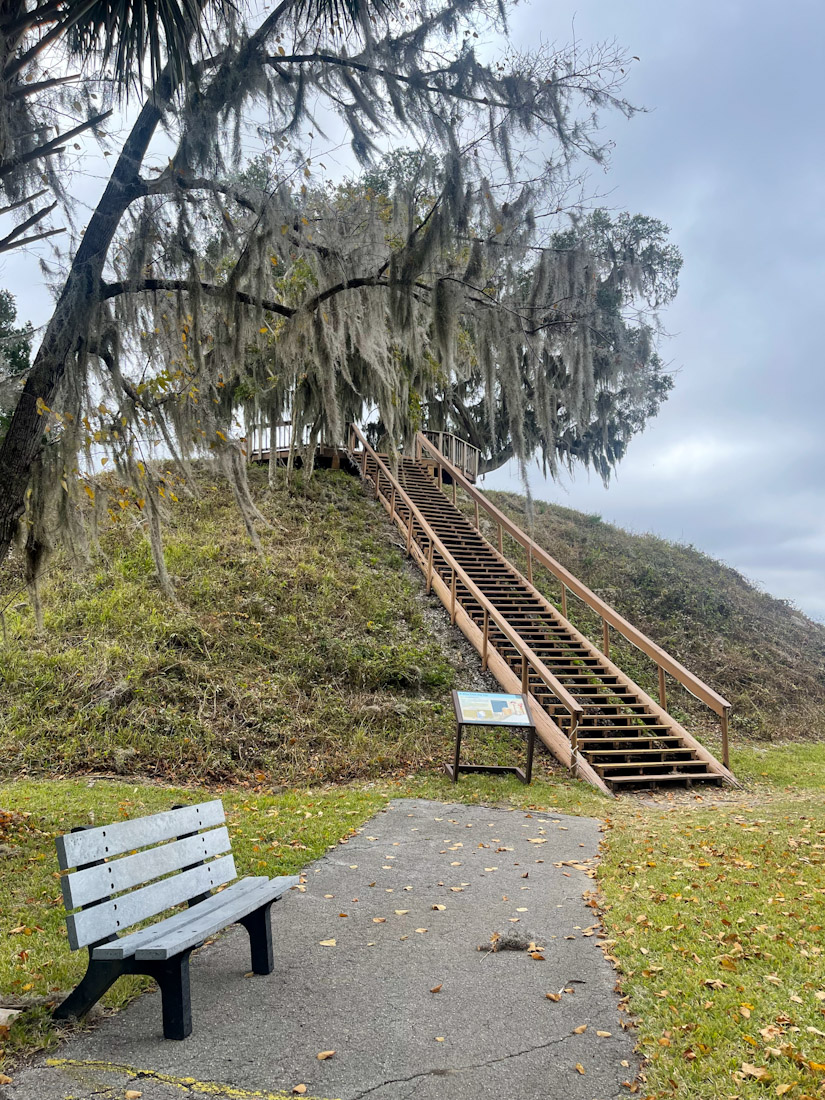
x: 131, y: 871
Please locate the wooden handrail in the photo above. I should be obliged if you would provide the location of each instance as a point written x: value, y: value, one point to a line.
x: 536, y: 553
x: 491, y: 613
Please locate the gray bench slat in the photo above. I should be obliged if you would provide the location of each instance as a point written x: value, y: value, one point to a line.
x: 77, y: 849
x: 126, y: 946
x: 93, y: 883
x: 167, y: 944
x: 114, y: 916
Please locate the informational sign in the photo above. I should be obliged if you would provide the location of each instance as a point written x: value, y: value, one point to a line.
x: 482, y: 708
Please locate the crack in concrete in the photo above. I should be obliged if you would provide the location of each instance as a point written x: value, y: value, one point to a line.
x: 459, y: 1069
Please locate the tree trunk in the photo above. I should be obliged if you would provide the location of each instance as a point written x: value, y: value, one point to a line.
x: 65, y: 336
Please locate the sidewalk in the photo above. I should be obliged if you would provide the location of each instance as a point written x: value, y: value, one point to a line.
x: 385, y: 919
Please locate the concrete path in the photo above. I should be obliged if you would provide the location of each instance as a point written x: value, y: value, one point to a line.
x: 385, y: 919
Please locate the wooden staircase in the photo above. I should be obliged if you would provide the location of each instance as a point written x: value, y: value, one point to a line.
x: 616, y: 736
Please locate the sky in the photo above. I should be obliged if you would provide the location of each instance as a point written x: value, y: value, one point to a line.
x: 730, y: 154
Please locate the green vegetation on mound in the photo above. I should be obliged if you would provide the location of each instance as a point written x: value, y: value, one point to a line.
x: 761, y: 653
x: 310, y: 662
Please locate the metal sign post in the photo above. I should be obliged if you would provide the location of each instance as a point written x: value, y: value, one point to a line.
x: 476, y: 708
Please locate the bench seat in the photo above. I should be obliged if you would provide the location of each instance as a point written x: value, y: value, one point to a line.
x: 191, y: 927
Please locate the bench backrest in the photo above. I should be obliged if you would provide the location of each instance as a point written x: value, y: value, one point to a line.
x: 113, y: 890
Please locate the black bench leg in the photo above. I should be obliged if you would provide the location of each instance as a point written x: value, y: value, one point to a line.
x: 172, y: 976
x: 99, y: 976
x: 259, y: 928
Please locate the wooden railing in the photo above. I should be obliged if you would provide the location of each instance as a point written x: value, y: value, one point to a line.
x: 388, y: 489
x: 461, y: 454
x: 537, y: 555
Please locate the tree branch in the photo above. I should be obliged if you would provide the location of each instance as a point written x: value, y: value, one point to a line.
x: 51, y: 147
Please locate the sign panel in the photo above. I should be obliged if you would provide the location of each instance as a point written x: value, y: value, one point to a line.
x: 492, y: 709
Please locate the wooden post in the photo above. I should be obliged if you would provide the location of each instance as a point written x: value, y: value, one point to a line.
x: 430, y: 568
x: 476, y: 504
x: 725, y: 747
x: 454, y: 493
x: 605, y: 637
x: 364, y: 462
x: 392, y: 504
x: 500, y: 540
x: 529, y: 564
x: 662, y: 691
x: 377, y: 480
x: 452, y: 598
x: 574, y: 733
x: 564, y: 600
x: 525, y: 680
x: 486, y: 640
x: 409, y: 533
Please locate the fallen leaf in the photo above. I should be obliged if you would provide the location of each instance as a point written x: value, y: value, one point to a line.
x: 132, y: 1094
x: 299, y: 1090
x: 324, y: 1054
x: 401, y: 912
x: 328, y: 943
x: 759, y: 1072
x: 553, y: 996
x: 379, y: 920
x: 782, y: 1089
x: 436, y: 988
x: 537, y: 955
x: 439, y: 908
x: 604, y: 1034
x: 421, y: 929
x: 580, y: 1068
x: 580, y: 1030
x: 439, y: 1038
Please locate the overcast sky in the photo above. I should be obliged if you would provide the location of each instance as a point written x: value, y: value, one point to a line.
x: 731, y: 156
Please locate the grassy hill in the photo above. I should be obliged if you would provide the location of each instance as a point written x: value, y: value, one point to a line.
x: 762, y: 654
x: 322, y: 660
x: 313, y: 661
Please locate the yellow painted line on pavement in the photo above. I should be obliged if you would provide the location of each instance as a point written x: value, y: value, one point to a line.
x: 203, y: 1088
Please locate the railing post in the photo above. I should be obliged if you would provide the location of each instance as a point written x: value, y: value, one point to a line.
x: 454, y: 493
x: 500, y: 541
x: 485, y: 642
x: 377, y: 481
x: 662, y: 691
x: 364, y: 462
x: 430, y: 568
x: 392, y: 504
x: 409, y: 534
x: 574, y: 733
x: 452, y: 598
x: 477, y: 524
x: 605, y: 637
x: 440, y: 477
x: 525, y: 682
x: 725, y: 747
x: 564, y: 600
x: 529, y: 564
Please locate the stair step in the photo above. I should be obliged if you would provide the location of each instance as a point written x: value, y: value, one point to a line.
x: 681, y: 777
x: 639, y: 752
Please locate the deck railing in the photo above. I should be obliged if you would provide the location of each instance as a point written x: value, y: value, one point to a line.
x: 463, y: 455
x: 426, y: 448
